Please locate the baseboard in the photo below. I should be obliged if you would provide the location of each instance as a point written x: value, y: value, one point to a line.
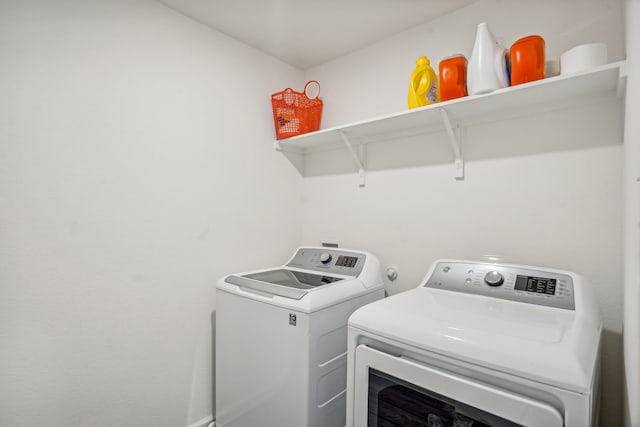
x: 203, y: 422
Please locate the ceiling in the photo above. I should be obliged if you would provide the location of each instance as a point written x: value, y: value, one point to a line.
x: 305, y: 33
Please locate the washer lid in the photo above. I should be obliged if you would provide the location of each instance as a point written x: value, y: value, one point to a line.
x: 281, y: 282
x: 545, y: 344
x: 313, y: 279
x: 293, y: 279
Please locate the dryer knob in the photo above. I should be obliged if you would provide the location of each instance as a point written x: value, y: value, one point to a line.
x: 493, y: 278
x: 325, y: 258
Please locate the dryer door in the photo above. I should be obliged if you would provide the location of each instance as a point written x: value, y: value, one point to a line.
x: 397, y: 391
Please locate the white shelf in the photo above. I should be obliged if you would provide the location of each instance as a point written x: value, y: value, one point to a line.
x: 607, y: 81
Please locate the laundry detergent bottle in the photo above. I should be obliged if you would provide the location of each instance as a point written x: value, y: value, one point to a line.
x: 488, y: 66
x: 423, y: 87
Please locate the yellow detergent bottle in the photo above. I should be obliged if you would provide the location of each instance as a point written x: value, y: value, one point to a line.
x: 423, y: 87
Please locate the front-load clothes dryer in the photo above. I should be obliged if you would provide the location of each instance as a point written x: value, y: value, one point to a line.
x: 477, y: 344
x: 281, y: 338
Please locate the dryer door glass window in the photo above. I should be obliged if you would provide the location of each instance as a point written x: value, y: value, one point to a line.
x: 392, y: 390
x: 395, y: 403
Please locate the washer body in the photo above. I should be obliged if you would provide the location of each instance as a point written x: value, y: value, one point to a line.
x: 476, y: 343
x: 281, y: 338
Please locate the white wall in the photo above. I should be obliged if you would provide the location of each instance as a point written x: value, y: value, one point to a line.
x: 131, y: 178
x: 632, y: 220
x: 542, y: 190
x: 136, y: 167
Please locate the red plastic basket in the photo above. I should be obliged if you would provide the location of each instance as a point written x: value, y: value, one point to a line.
x: 295, y: 113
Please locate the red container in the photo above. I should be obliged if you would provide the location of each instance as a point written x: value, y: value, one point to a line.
x: 453, y: 77
x: 527, y: 60
x: 295, y: 113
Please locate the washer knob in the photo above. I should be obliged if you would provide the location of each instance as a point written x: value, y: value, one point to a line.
x: 325, y: 258
x: 493, y: 278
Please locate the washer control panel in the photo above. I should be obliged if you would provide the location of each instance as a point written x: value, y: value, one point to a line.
x: 507, y: 282
x: 329, y: 260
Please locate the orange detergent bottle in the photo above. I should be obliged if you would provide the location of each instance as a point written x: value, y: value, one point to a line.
x: 453, y: 77
x: 423, y: 87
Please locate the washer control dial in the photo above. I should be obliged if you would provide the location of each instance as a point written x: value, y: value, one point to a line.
x: 325, y: 258
x: 493, y: 278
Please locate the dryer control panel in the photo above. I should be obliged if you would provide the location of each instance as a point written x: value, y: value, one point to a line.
x: 505, y: 282
x: 329, y: 260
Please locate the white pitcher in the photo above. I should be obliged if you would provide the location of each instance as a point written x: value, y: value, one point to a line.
x: 487, y: 68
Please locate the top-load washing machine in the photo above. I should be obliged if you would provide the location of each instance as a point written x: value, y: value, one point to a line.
x: 281, y: 338
x: 477, y: 344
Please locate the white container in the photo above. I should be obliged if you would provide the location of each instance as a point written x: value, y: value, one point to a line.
x: 583, y: 57
x: 487, y: 67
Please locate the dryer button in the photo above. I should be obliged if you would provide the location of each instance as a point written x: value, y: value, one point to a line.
x: 493, y: 278
x: 325, y: 258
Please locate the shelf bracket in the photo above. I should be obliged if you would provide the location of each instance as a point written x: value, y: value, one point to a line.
x: 356, y: 158
x: 622, y: 80
x: 458, y: 162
